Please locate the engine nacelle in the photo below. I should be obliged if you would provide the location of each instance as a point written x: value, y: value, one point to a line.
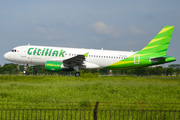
x: 56, y: 66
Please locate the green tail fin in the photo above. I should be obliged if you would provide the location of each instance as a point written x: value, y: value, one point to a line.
x: 160, y: 43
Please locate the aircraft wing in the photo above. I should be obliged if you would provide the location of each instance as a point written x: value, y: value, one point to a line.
x: 71, y: 62
x: 77, y: 60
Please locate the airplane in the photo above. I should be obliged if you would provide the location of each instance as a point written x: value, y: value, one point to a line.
x: 69, y: 59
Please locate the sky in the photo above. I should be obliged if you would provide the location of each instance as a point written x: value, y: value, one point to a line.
x: 123, y: 25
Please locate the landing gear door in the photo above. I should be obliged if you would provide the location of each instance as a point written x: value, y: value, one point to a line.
x: 136, y: 58
x: 23, y: 52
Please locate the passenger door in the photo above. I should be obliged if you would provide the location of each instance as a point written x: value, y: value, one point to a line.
x: 23, y: 53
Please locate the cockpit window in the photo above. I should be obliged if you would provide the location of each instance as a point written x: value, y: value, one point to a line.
x: 14, y: 50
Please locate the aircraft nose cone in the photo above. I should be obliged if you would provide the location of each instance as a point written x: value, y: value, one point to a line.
x: 6, y: 56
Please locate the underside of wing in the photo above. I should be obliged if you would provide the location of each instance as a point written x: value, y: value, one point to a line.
x: 74, y: 61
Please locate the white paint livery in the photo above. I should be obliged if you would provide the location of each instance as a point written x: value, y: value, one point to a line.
x: 95, y: 58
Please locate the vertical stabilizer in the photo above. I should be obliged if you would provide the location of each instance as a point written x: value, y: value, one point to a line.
x: 159, y: 44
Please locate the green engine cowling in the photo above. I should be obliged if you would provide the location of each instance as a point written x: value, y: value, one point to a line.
x: 53, y: 66
x: 56, y: 66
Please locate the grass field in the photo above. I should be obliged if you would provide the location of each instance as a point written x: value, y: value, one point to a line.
x: 127, y: 92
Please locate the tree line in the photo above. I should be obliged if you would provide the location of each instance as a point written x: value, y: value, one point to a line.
x: 16, y: 69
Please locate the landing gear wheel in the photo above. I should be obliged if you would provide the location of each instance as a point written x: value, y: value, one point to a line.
x: 24, y: 71
x: 77, y: 74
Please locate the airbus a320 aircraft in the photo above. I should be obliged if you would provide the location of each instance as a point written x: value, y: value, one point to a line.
x: 62, y: 58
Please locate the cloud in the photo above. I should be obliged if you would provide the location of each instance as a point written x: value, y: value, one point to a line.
x: 129, y: 43
x: 34, y: 21
x: 43, y: 33
x: 96, y: 39
x: 44, y: 30
x: 68, y: 24
x: 103, y: 29
x: 135, y: 30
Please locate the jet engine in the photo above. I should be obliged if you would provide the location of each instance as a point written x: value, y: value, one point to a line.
x: 56, y: 66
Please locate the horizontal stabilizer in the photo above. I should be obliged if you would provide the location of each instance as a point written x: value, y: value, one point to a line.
x: 161, y: 58
x: 157, y: 59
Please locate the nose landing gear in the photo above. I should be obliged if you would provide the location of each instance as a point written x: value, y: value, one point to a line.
x: 25, y: 69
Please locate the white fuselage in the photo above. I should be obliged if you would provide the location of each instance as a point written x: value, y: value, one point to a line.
x: 38, y: 55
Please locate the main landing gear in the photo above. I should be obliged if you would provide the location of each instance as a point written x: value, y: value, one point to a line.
x: 77, y: 74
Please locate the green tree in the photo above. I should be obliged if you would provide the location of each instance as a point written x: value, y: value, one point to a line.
x: 170, y: 71
x: 130, y: 71
x: 1, y: 70
x: 21, y: 68
x: 177, y: 71
x: 176, y: 67
x: 141, y: 71
x: 8, y: 69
